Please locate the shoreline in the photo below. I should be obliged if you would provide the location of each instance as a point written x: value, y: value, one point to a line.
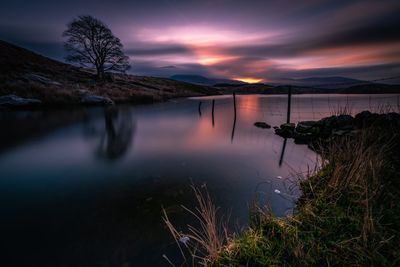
x: 347, y: 215
x: 104, y: 101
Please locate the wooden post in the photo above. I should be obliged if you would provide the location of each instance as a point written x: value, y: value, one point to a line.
x: 289, y: 104
x: 369, y: 102
x: 212, y: 112
x: 200, y: 108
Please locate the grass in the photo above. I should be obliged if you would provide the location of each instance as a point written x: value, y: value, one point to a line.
x: 18, y: 64
x: 348, y: 214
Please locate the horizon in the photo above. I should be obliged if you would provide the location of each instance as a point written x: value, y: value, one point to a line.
x: 262, y: 42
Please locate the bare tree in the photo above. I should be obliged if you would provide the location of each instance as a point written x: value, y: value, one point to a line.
x: 92, y: 44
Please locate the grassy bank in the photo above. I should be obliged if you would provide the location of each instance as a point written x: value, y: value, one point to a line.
x: 30, y: 75
x: 348, y: 215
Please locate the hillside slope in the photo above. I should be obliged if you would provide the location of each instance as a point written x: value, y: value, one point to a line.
x: 27, y: 74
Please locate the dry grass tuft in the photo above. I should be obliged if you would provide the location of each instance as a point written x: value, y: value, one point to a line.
x: 341, y: 110
x: 205, y: 241
x: 348, y: 214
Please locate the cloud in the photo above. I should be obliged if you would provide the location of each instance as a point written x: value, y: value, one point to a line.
x: 262, y: 39
x: 150, y: 68
x: 168, y: 67
x: 158, y: 49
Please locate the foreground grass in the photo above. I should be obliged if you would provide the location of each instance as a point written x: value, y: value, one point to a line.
x: 349, y: 213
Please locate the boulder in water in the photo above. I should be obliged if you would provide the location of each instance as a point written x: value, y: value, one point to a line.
x: 305, y: 126
x: 263, y: 125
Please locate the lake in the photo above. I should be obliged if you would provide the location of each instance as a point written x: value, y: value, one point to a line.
x: 85, y: 187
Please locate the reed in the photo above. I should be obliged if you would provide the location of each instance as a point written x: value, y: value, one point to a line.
x: 205, y: 241
x: 348, y: 214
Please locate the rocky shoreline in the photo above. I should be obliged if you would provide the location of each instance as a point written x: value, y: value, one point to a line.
x: 12, y: 101
x: 315, y: 133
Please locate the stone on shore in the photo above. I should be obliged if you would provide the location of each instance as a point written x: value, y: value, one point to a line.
x: 308, y: 132
x: 14, y: 101
x: 96, y: 100
x: 288, y: 126
x: 305, y: 126
x: 345, y: 121
x: 41, y: 79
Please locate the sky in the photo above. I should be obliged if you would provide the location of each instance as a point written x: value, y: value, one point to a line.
x: 254, y: 41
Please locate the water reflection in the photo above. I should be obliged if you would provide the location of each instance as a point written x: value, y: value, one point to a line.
x: 282, y: 152
x: 233, y: 128
x: 114, y: 136
x: 66, y: 207
x: 212, y: 113
x: 199, y: 108
x: 118, y: 134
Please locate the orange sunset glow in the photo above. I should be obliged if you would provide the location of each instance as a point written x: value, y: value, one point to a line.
x: 253, y: 43
x: 248, y: 80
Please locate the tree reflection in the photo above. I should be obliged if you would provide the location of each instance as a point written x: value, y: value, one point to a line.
x: 117, y: 137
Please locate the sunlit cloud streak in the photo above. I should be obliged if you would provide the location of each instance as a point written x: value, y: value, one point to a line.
x: 247, y: 40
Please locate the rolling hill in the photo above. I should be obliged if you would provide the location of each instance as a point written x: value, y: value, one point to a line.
x: 27, y: 74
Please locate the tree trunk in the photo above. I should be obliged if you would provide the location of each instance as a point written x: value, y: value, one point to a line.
x: 100, y: 73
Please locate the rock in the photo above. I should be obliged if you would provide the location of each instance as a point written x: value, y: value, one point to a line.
x: 353, y: 133
x: 325, y: 132
x: 302, y: 138
x: 284, y: 133
x: 83, y: 92
x: 262, y: 125
x: 315, y: 131
x: 286, y: 130
x: 344, y: 121
x: 340, y: 132
x: 333, y: 127
x: 364, y: 119
x: 96, y: 100
x: 393, y: 118
x: 14, y: 101
x: 305, y: 126
x: 362, y: 115
x: 328, y: 122
x: 41, y: 79
x: 288, y: 126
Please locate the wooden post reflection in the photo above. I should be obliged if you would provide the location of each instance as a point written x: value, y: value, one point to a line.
x: 234, y: 118
x: 282, y: 152
x: 199, y: 108
x: 234, y: 104
x: 212, y: 113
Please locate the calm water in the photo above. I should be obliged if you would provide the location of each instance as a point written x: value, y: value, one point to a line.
x: 86, y: 187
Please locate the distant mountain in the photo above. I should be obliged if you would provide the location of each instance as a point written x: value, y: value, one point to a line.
x: 334, y: 82
x: 366, y: 88
x: 201, y: 80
